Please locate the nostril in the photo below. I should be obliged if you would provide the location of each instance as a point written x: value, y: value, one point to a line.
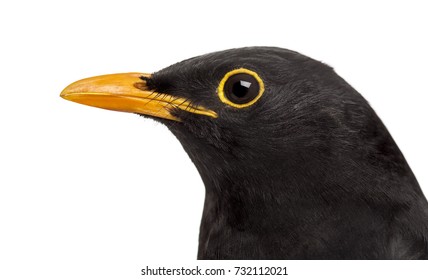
x: 141, y: 85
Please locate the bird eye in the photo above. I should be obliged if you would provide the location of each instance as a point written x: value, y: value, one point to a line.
x: 240, y: 88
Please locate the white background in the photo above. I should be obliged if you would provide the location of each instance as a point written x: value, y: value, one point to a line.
x: 94, y: 194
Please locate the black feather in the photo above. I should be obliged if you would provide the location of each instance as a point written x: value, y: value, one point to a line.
x: 307, y: 172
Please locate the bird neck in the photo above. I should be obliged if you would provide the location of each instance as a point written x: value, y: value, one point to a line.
x: 248, y: 203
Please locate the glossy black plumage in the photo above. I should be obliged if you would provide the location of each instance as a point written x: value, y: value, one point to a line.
x: 307, y: 172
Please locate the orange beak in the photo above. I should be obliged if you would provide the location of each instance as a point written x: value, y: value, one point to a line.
x: 127, y: 92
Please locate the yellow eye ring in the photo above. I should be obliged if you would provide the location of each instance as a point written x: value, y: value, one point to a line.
x: 240, y: 88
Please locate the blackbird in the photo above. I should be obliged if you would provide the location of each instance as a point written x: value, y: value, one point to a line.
x: 295, y: 162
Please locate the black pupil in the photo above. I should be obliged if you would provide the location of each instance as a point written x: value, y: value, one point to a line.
x: 241, y: 88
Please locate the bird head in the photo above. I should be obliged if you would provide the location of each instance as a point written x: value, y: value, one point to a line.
x: 249, y: 114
